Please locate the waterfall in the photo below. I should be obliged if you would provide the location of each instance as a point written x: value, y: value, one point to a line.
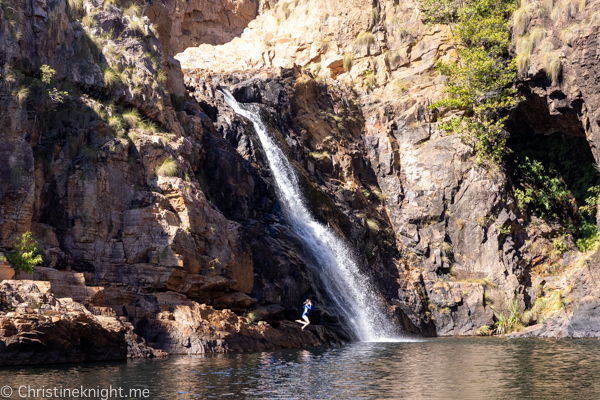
x: 350, y: 290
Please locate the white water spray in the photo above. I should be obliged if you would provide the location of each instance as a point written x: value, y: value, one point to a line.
x: 351, y: 291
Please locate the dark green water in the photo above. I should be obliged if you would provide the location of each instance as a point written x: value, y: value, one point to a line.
x: 477, y: 368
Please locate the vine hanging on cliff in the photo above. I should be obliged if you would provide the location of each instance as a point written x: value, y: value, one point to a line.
x: 478, y: 81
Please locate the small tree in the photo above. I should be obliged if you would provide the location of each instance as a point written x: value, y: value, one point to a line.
x: 25, y: 254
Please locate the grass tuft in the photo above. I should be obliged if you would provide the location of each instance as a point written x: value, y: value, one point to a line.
x: 111, y: 78
x: 520, y: 21
x: 523, y: 64
x: 131, y: 117
x: 374, y: 17
x: 553, y: 67
x: 524, y: 45
x: 364, y: 40
x: 324, y: 46
x: 484, y: 330
x: 372, y: 225
x: 347, y: 62
x: 21, y: 95
x: 133, y: 10
x: 168, y: 168
x: 537, y: 35
x: 136, y: 27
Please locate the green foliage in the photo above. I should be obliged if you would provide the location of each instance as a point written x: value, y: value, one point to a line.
x: 588, y: 237
x: 509, y: 321
x: 543, y: 190
x: 559, y: 246
x: 24, y: 256
x: 478, y: 82
x: 556, y: 178
x: 47, y: 74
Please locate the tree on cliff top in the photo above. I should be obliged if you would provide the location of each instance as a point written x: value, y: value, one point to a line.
x: 25, y: 255
x: 478, y: 81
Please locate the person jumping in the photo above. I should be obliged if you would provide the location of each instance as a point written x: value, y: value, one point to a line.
x: 307, y: 307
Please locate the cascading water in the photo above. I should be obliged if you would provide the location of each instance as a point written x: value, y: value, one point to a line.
x: 349, y: 289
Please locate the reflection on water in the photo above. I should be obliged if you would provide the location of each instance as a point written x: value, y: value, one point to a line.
x: 473, y: 368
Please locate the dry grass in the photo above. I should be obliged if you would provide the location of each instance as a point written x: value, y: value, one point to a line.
x: 565, y: 9
x: 372, y: 225
x: 364, y: 40
x: 370, y: 80
x: 324, y: 46
x: 524, y: 45
x: 21, y: 95
x: 168, y: 168
x: 523, y: 64
x: 136, y: 27
x: 447, y: 248
x: 347, y: 62
x: 536, y: 36
x: 568, y: 34
x: 520, y: 21
x: 374, y: 17
x: 131, y: 118
x: 582, y: 4
x: 553, y: 67
x: 8, y: 76
x: 392, y: 59
x: 546, y: 47
x: 111, y: 78
x: 133, y: 10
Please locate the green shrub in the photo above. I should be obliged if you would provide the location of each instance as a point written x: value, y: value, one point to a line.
x: 24, y: 256
x: 588, y: 237
x: 478, y: 82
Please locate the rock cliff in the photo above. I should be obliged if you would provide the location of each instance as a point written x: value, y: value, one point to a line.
x: 156, y: 211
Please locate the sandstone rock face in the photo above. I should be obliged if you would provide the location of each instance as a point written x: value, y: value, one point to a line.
x: 38, y: 328
x: 452, y: 220
x: 190, y: 23
x: 164, y: 256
